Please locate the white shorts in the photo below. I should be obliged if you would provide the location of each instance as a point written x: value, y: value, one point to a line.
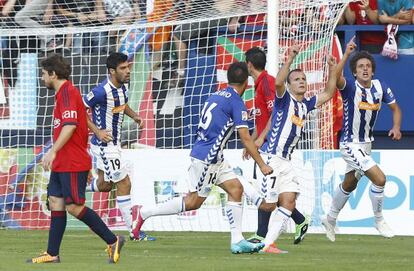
x: 357, y: 156
x: 108, y: 159
x: 203, y: 176
x: 282, y: 180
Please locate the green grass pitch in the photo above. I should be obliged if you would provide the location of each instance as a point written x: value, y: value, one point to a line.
x: 83, y: 251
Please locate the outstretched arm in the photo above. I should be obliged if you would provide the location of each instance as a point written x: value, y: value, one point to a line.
x: 395, y: 132
x: 284, y: 71
x: 251, y: 149
x: 350, y: 47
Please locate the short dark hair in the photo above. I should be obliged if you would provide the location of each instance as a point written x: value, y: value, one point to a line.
x: 237, y: 73
x: 360, y: 55
x: 257, y: 57
x: 292, y: 71
x: 114, y: 59
x: 56, y: 63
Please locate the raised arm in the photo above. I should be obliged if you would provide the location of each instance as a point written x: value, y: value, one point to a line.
x: 330, y: 87
x: 284, y: 71
x: 340, y: 79
x: 252, y: 150
x: 395, y: 132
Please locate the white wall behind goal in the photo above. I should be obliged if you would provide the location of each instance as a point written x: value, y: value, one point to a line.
x: 160, y: 174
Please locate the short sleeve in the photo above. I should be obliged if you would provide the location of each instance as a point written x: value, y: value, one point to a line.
x: 373, y: 4
x: 68, y: 107
x: 282, y: 102
x: 408, y: 4
x: 239, y: 114
x: 94, y: 97
x: 387, y: 96
x: 310, y: 103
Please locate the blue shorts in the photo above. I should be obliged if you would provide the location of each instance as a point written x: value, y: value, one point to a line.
x: 68, y: 185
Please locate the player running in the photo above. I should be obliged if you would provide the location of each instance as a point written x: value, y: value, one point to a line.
x: 362, y: 98
x: 109, y: 103
x: 222, y: 112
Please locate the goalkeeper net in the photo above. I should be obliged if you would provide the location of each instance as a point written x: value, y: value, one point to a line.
x: 179, y: 52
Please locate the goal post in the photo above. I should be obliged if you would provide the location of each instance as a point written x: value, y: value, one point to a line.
x: 179, y: 53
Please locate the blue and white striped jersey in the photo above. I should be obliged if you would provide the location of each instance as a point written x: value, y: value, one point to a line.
x: 222, y: 111
x: 361, y: 108
x: 107, y: 104
x: 288, y: 119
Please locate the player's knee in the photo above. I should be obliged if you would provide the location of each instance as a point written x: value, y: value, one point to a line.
x: 124, y: 186
x: 56, y: 204
x: 267, y: 207
x: 104, y: 186
x: 236, y: 192
x: 74, y: 209
x: 380, y: 181
x: 193, y: 202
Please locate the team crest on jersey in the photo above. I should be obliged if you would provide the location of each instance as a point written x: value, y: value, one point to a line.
x: 56, y: 123
x: 377, y: 95
x: 245, y: 116
x: 90, y: 96
x: 297, y: 121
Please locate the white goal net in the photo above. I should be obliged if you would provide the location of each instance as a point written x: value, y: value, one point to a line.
x: 179, y: 52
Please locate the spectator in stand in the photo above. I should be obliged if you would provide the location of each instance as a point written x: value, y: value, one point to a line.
x: 182, y: 34
x: 365, y: 12
x: 26, y: 18
x: 83, y: 13
x: 398, y: 12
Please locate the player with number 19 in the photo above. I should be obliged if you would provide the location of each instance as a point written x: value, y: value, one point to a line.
x: 222, y: 112
x: 109, y: 103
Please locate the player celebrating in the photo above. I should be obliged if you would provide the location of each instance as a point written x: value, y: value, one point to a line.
x: 283, y: 133
x: 109, y: 102
x: 70, y: 164
x: 362, y: 99
x: 222, y: 112
x: 264, y: 85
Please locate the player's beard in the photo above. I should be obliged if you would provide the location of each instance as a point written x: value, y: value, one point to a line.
x: 124, y: 80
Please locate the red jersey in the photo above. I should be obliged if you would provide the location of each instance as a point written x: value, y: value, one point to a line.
x: 69, y: 110
x: 361, y: 17
x: 264, y: 100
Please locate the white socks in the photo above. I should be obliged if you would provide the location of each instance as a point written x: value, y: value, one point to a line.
x: 124, y: 205
x: 234, y: 212
x: 376, y: 194
x: 277, y: 223
x: 92, y: 187
x: 170, y: 207
x: 338, y: 202
x: 251, y: 192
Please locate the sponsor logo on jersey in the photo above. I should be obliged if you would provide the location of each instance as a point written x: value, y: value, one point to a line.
x: 270, y: 104
x: 297, y: 121
x: 69, y: 114
x: 119, y: 109
x: 368, y: 106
